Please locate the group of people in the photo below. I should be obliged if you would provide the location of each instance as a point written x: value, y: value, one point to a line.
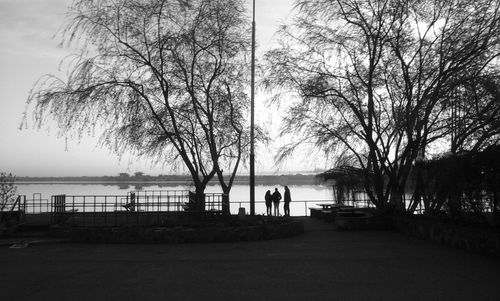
x: 274, y: 199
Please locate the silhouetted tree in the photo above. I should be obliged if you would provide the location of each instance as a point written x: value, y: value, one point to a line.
x: 8, y: 190
x: 474, y: 114
x: 166, y: 79
x: 374, y: 79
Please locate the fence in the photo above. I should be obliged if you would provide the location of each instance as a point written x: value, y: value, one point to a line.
x: 169, y: 201
x: 297, y: 207
x: 137, y: 207
x: 155, y: 200
x: 36, y: 205
x: 12, y: 211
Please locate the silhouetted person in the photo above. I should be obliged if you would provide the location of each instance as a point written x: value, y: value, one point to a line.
x: 287, y: 199
x: 276, y: 201
x: 269, y: 202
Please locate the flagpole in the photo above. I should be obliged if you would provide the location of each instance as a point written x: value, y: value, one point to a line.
x: 252, y: 121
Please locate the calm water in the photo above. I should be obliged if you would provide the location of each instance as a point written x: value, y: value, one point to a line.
x: 303, y: 196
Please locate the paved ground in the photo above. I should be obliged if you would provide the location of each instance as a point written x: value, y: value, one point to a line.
x: 322, y: 264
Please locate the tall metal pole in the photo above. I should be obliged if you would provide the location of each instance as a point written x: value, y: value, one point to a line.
x: 252, y: 121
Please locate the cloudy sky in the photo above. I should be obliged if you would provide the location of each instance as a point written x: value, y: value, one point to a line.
x: 28, y: 50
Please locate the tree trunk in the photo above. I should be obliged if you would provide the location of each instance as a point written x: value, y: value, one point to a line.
x: 396, y: 203
x: 418, y: 190
x: 225, y: 202
x: 226, y: 189
x: 197, y: 199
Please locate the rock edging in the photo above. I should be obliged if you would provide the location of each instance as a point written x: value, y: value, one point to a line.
x: 179, y: 234
x: 470, y: 239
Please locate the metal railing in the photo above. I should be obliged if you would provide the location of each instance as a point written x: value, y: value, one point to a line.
x: 37, y: 205
x: 137, y: 207
x: 103, y: 210
x: 156, y: 200
x: 214, y: 201
x: 13, y: 211
x: 164, y: 201
x: 297, y: 207
x: 114, y: 209
x: 108, y: 210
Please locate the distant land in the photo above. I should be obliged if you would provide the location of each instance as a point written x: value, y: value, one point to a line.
x: 139, y: 178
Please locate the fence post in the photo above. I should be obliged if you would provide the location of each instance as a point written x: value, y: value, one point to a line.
x: 22, y: 210
x: 59, y: 208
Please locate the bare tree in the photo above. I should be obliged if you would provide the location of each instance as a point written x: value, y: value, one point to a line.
x: 374, y: 79
x: 165, y: 79
x: 8, y: 190
x: 474, y: 114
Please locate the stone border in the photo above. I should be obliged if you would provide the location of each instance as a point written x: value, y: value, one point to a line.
x: 179, y: 234
x: 470, y: 239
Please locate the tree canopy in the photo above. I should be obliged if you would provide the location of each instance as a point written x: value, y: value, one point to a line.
x: 166, y: 79
x: 385, y: 82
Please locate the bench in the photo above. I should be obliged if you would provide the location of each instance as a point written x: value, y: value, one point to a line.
x: 329, y: 212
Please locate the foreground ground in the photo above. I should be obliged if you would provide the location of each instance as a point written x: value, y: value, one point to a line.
x: 322, y: 264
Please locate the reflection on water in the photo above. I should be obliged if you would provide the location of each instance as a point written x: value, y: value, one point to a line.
x: 123, y: 186
x: 239, y: 192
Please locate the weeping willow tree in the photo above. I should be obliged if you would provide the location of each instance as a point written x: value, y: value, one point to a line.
x: 164, y: 79
x: 375, y: 80
x: 474, y: 114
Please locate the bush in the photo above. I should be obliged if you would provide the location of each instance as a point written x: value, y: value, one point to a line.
x: 464, y: 186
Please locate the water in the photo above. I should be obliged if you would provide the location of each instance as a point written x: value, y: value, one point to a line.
x: 303, y: 196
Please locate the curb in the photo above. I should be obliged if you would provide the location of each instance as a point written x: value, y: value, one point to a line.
x: 13, y: 241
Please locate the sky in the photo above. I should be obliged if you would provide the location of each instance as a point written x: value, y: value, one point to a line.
x: 29, y: 48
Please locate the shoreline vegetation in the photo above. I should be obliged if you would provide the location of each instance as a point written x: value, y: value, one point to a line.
x: 295, y: 179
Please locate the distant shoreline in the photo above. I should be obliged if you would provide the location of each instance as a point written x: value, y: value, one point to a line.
x: 297, y: 179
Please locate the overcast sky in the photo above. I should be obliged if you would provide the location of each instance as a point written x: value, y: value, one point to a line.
x: 29, y: 50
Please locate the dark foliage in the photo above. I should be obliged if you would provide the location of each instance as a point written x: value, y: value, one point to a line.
x: 463, y: 187
x: 387, y: 83
x: 346, y: 181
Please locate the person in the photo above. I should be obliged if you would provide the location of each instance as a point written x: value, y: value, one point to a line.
x: 269, y: 202
x: 287, y: 199
x: 276, y: 201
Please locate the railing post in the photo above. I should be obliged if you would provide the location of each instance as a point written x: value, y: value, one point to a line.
x: 84, y: 210
x: 59, y: 204
x: 51, y: 209
x: 158, y: 210
x: 24, y: 208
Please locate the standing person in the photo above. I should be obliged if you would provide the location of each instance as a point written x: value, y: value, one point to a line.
x: 287, y: 199
x: 276, y: 201
x: 269, y: 202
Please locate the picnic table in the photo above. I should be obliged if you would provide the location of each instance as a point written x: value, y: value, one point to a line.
x: 333, y: 206
x: 325, y: 205
x: 328, y: 209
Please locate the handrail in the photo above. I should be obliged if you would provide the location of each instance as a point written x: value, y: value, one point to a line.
x: 8, y: 214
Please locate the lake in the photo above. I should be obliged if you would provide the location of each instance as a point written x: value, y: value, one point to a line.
x: 303, y: 196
